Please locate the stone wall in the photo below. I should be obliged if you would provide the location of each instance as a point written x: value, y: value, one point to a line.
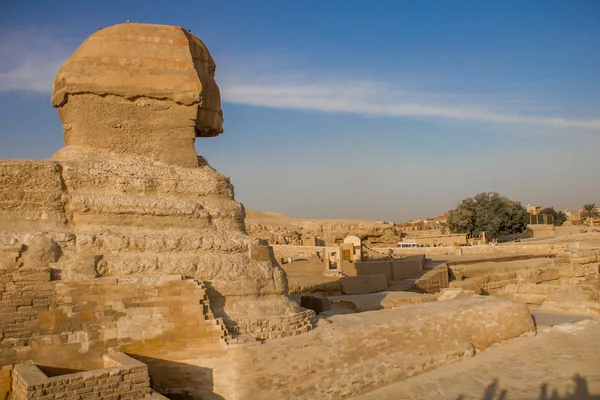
x: 25, y: 293
x: 121, y: 378
x: 432, y: 281
x: 276, y: 327
x: 477, y: 250
x: 357, y: 353
x: 572, y: 268
x: 492, y: 282
x: 71, y: 325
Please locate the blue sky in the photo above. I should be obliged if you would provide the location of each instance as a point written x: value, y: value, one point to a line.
x: 356, y: 109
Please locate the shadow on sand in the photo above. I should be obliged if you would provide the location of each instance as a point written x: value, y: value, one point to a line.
x: 580, y: 392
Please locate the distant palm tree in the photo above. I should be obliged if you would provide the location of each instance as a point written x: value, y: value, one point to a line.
x: 590, y: 212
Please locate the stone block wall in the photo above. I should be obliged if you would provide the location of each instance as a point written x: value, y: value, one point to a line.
x: 24, y: 294
x: 297, y: 252
x: 477, y: 250
x: 361, y: 352
x: 408, y: 267
x: 72, y: 324
x: 572, y: 268
x: 276, y: 327
x: 433, y: 280
x: 121, y: 378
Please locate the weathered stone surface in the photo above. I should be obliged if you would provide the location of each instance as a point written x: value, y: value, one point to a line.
x: 128, y: 195
x: 130, y: 381
x: 364, y: 284
x: 138, y: 89
x: 454, y: 293
x: 359, y: 352
x: 274, y: 227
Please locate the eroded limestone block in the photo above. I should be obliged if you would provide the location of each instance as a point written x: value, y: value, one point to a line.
x: 39, y: 251
x: 85, y: 267
x: 32, y: 195
x: 363, y: 284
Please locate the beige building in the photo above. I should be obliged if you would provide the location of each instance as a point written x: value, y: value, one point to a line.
x: 312, y: 241
x: 533, y: 210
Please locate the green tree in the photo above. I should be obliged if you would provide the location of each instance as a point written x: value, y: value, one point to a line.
x: 558, y: 218
x: 590, y: 212
x: 491, y: 213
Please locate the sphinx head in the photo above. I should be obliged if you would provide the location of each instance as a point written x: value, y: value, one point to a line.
x: 138, y: 90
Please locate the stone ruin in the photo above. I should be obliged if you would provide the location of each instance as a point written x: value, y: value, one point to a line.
x: 128, y: 194
x: 127, y: 241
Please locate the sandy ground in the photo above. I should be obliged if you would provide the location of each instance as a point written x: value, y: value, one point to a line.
x: 562, y: 362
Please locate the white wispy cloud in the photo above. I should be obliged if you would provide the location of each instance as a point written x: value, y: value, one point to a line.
x: 29, y: 60
x: 377, y: 99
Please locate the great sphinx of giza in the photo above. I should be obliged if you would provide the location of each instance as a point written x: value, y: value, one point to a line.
x: 127, y: 241
x: 128, y: 195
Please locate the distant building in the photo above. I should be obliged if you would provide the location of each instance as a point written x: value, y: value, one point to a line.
x: 533, y: 210
x: 573, y: 218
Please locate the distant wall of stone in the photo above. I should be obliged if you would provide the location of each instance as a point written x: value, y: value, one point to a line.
x: 492, y: 282
x: 479, y: 250
x: 359, y: 353
x: 572, y: 268
x: 121, y: 378
x: 299, y: 252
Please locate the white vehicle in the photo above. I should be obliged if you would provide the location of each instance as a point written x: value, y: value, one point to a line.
x: 407, y: 244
